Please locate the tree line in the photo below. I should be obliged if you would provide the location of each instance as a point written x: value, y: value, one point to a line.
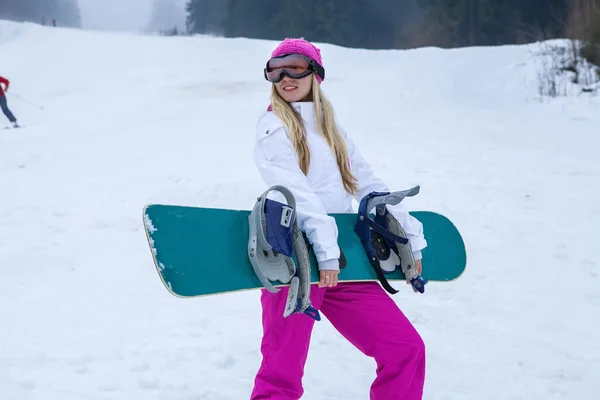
x: 47, y: 12
x: 386, y: 24
x: 371, y: 24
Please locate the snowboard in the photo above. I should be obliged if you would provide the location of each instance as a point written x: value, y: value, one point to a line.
x: 201, y: 251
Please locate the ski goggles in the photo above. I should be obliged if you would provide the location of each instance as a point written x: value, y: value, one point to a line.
x: 295, y: 66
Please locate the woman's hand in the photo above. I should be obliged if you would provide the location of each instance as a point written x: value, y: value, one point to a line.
x: 419, y: 267
x: 329, y: 278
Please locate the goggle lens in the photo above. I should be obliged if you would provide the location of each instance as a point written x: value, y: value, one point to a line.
x: 296, y: 66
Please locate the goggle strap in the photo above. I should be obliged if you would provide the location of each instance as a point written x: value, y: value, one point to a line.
x: 319, y: 69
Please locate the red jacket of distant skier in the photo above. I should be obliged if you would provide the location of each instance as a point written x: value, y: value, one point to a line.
x: 5, y: 82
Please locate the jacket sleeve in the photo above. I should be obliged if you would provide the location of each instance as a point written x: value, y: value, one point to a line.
x: 369, y: 182
x: 277, y: 163
x: 5, y: 81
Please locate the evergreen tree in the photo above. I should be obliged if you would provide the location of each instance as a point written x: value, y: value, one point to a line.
x: 65, y: 12
x: 206, y: 16
x: 165, y: 15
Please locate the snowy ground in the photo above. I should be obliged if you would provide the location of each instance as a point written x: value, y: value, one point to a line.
x: 130, y: 120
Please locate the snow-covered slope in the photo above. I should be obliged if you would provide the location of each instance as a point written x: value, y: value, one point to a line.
x: 129, y: 120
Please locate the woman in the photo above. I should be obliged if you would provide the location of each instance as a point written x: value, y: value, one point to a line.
x: 299, y: 145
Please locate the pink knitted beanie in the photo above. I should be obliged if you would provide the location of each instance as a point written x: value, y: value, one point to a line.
x: 299, y: 46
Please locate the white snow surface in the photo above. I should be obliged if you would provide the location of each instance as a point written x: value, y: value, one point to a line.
x: 130, y: 120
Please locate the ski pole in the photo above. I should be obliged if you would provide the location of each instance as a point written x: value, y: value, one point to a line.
x: 27, y: 101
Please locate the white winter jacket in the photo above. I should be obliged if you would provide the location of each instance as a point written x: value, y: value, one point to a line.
x: 321, y: 191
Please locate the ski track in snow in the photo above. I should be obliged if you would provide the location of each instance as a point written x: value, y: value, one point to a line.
x: 130, y: 120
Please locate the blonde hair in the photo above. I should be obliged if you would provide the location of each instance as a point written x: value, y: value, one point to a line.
x: 327, y: 128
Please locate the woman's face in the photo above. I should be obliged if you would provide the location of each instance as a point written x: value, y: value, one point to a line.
x: 293, y: 90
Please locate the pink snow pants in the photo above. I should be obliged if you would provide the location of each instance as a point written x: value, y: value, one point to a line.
x: 366, y: 316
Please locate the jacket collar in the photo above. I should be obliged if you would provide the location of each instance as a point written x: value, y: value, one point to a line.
x: 306, y: 110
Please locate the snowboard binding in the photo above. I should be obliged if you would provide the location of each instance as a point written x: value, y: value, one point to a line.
x: 385, y: 241
x: 274, y: 239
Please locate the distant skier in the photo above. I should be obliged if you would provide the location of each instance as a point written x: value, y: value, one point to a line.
x: 3, y: 103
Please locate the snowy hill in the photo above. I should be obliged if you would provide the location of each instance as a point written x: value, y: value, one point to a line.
x: 129, y: 120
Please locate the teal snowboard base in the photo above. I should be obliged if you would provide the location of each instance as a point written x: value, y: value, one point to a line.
x: 204, y: 251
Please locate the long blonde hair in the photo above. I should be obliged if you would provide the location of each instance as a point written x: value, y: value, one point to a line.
x: 327, y: 128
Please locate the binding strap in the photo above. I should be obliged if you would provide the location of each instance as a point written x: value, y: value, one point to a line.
x: 364, y: 225
x: 274, y: 238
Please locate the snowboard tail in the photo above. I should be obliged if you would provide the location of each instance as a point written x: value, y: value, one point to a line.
x: 201, y: 251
